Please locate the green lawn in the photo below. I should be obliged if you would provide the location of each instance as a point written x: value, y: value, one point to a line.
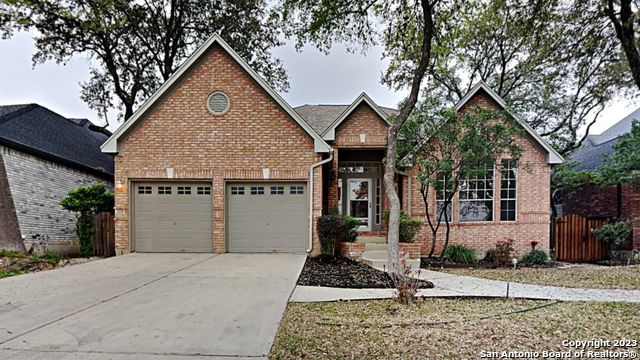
x: 601, y: 277
x: 446, y: 328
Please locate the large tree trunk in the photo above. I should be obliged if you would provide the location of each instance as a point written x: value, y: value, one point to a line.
x: 10, y: 237
x: 393, y: 237
x: 626, y: 34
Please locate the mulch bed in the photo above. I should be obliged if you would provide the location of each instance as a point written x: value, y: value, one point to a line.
x: 333, y: 271
x: 437, y: 263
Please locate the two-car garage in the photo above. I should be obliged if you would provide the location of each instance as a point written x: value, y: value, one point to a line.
x: 259, y: 217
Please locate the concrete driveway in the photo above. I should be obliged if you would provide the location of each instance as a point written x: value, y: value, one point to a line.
x: 148, y: 306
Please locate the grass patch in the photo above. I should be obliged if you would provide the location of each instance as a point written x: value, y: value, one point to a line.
x: 11, y: 272
x: 602, y: 277
x: 445, y: 328
x: 13, y: 263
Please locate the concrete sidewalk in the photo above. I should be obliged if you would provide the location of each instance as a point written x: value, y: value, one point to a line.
x: 450, y: 285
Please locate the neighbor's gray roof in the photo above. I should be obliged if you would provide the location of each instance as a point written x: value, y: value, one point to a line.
x: 36, y: 130
x: 596, y: 148
x: 321, y: 116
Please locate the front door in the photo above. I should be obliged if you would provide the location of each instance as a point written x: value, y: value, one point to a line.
x: 360, y: 202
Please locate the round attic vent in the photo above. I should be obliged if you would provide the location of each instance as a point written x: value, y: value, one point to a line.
x: 218, y: 103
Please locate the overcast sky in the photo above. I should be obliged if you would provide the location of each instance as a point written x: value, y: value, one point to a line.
x: 315, y: 78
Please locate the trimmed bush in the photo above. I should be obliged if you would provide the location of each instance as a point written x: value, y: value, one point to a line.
x: 333, y: 228
x: 501, y: 253
x: 460, y: 254
x: 535, y: 257
x: 409, y: 226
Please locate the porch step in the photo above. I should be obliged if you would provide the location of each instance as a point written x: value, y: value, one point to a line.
x: 376, y: 255
x: 372, y: 240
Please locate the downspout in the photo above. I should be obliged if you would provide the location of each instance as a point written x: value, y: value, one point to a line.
x: 311, y: 194
x: 404, y: 173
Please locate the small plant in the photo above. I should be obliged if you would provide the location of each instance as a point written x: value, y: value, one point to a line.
x: 333, y: 228
x: 409, y: 226
x: 406, y: 285
x: 50, y: 257
x: 614, y: 234
x: 460, y: 254
x: 501, y: 253
x: 535, y: 257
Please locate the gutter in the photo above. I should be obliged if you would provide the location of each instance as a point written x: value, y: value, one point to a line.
x: 311, y: 193
x: 404, y: 173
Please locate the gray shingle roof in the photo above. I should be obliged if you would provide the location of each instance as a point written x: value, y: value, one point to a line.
x: 595, y: 149
x: 39, y: 131
x: 321, y: 116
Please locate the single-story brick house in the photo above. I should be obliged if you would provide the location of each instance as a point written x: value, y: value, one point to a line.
x: 612, y: 202
x: 217, y: 161
x: 43, y: 155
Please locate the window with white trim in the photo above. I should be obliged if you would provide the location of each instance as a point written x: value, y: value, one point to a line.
x: 508, y: 182
x: 476, y: 197
x: 184, y: 190
x: 378, y: 202
x: 257, y: 190
x: 203, y: 190
x: 237, y: 190
x: 277, y: 190
x: 296, y: 190
x: 164, y: 190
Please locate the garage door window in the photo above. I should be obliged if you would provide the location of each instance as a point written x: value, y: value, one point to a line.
x: 204, y: 190
x: 296, y: 190
x: 184, y: 190
x: 144, y: 190
x: 237, y: 190
x: 164, y: 190
x: 257, y: 190
x: 277, y: 190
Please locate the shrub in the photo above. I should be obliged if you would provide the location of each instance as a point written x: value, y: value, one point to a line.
x: 460, y: 254
x: 87, y: 201
x: 333, y: 228
x: 409, y: 226
x: 50, y: 257
x: 615, y: 234
x: 501, y: 253
x: 534, y: 257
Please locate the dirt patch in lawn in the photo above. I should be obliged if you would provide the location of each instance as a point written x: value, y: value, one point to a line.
x: 13, y: 263
x: 447, y: 328
x: 595, y: 277
x: 334, y: 271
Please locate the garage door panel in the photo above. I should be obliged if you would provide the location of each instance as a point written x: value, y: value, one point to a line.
x: 267, y: 222
x: 176, y: 222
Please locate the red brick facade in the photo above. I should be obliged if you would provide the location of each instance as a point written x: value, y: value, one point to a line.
x: 533, y: 205
x: 180, y: 133
x: 362, y: 124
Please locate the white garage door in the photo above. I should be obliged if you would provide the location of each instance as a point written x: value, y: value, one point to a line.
x: 267, y: 217
x: 172, y: 217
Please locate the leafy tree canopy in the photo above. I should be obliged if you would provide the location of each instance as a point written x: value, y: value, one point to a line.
x: 551, y: 60
x: 136, y: 45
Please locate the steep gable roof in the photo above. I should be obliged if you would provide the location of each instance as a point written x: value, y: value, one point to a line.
x: 36, y: 130
x: 330, y: 133
x: 111, y: 145
x: 552, y: 156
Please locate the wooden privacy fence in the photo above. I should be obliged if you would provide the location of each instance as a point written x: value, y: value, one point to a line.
x: 574, y: 242
x: 104, y: 237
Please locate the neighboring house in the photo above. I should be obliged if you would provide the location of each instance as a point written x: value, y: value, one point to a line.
x: 217, y: 161
x: 43, y: 155
x: 612, y: 202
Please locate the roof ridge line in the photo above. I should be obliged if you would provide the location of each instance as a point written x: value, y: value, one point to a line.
x: 14, y: 114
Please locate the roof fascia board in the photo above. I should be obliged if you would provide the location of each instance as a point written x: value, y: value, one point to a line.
x: 330, y: 133
x: 111, y: 145
x: 552, y: 156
